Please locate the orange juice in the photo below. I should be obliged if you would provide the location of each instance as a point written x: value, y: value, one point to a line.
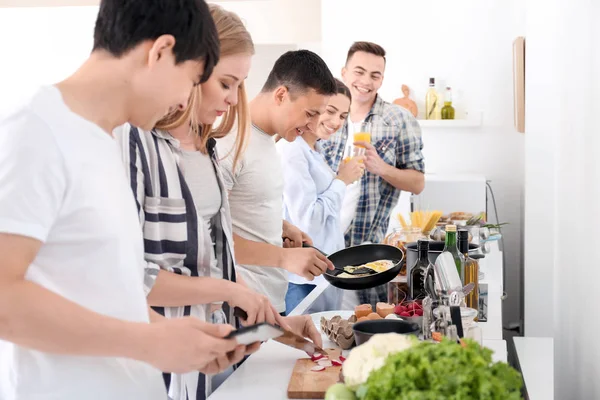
x: 362, y: 137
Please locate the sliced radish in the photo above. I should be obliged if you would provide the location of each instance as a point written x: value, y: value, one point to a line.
x: 325, y: 363
x: 317, y: 368
x: 336, y: 363
x: 342, y: 358
x: 316, y: 356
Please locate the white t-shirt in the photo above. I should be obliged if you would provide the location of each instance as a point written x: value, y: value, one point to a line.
x: 62, y: 182
x: 256, y: 201
x: 350, y: 203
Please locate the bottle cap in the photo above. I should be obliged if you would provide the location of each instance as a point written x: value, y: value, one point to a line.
x: 422, y: 244
x: 450, y: 228
x: 463, y: 234
x: 431, y: 81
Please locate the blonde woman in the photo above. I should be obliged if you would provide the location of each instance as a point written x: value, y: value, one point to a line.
x: 182, y: 203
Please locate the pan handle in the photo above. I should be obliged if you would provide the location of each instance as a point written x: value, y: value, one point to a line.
x: 304, y: 244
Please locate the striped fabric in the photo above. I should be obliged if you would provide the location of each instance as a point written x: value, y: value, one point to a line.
x: 174, y: 241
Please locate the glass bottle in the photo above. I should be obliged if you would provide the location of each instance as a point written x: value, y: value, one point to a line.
x: 470, y: 270
x: 432, y: 105
x: 416, y: 277
x: 451, y: 247
x: 448, y: 110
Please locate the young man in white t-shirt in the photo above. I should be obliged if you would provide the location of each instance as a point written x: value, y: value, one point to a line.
x: 294, y: 95
x: 74, y: 321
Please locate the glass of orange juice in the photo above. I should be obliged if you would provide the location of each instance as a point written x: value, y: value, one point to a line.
x: 363, y: 136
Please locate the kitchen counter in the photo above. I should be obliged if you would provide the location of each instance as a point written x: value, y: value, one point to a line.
x: 491, y: 266
x: 266, y: 374
x: 536, y: 360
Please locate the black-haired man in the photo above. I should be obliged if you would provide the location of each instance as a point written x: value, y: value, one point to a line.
x: 294, y: 95
x: 73, y: 312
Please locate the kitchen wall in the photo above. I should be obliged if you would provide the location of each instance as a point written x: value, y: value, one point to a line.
x: 463, y: 43
x: 40, y: 46
x: 467, y: 44
x: 562, y: 182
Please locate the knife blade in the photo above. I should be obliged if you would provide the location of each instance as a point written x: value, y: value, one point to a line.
x: 298, y: 342
x: 288, y: 338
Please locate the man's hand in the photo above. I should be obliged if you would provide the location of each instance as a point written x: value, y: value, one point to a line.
x: 303, y: 325
x: 187, y: 344
x: 294, y: 237
x: 373, y: 162
x: 257, y: 306
x: 305, y: 262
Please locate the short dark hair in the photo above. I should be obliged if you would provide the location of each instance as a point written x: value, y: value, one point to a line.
x: 367, y: 47
x: 299, y: 71
x: 123, y: 24
x: 343, y: 89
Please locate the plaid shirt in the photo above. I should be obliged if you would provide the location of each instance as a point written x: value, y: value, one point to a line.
x: 396, y: 135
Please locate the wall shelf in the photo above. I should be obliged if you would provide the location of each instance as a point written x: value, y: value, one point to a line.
x: 473, y: 120
x: 450, y: 123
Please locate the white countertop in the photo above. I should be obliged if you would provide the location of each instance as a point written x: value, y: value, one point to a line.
x: 536, y: 359
x: 266, y: 374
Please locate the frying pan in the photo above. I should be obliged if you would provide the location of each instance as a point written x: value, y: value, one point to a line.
x: 362, y: 254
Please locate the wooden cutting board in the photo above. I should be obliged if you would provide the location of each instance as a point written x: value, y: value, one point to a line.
x: 307, y: 384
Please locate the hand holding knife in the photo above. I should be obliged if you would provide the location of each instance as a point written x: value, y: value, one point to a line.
x: 287, y: 337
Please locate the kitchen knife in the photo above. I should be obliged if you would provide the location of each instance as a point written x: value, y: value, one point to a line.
x: 288, y: 338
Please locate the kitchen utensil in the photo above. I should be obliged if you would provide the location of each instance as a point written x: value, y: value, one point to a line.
x: 456, y: 320
x: 467, y: 315
x: 362, y: 254
x: 359, y: 271
x: 435, y: 249
x: 363, y: 331
x: 307, y: 384
x: 288, y: 338
x: 427, y: 318
x: 447, y: 279
x: 298, y: 342
x: 468, y: 288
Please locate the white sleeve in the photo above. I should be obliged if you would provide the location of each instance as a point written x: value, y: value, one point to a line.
x: 33, y: 177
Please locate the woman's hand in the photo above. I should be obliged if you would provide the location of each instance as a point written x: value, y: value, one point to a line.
x: 351, y: 170
x: 257, y: 306
x: 303, y: 325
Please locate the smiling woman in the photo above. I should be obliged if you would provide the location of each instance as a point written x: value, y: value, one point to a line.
x: 183, y: 206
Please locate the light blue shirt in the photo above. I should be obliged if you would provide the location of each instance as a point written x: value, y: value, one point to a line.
x: 312, y: 197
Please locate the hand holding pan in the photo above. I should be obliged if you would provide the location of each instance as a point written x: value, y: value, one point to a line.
x: 362, y: 254
x: 358, y: 271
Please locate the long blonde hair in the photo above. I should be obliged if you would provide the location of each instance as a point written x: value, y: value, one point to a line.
x: 234, y: 39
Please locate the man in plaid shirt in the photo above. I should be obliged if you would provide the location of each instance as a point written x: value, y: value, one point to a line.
x: 393, y: 158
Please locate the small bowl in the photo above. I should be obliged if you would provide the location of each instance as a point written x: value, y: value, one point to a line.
x: 363, y: 331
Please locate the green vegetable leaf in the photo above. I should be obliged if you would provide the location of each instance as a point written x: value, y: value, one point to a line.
x: 430, y: 371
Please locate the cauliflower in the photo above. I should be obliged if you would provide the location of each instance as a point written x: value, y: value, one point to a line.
x: 371, y: 356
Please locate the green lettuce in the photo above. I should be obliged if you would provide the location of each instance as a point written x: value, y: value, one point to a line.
x: 444, y: 371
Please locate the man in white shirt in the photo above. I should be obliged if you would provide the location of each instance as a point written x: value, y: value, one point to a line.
x: 74, y: 322
x: 295, y: 94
